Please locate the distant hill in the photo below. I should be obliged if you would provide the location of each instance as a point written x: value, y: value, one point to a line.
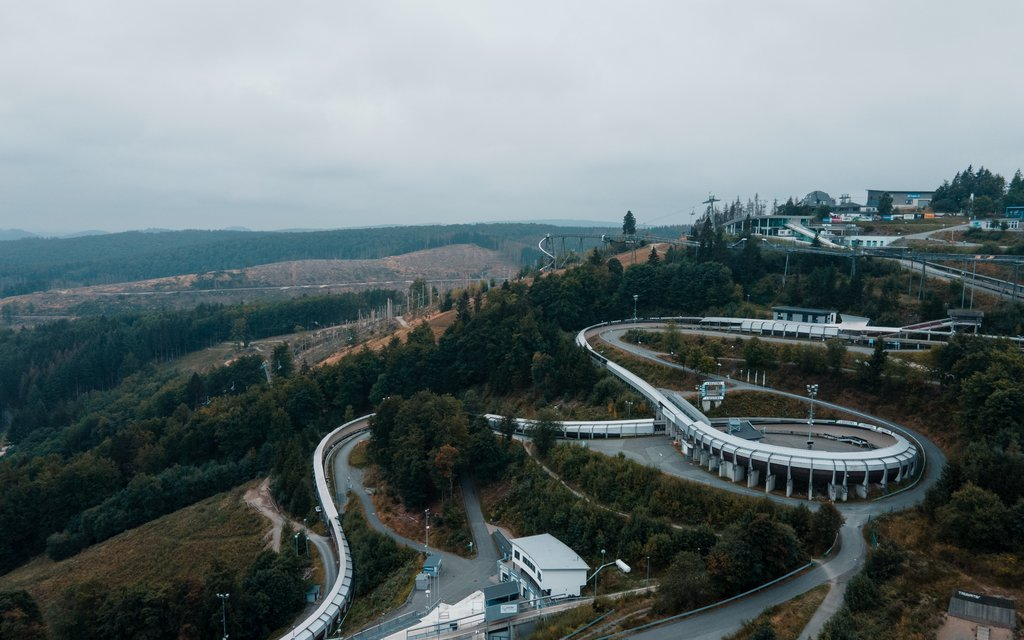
x: 442, y: 267
x: 15, y: 234
x: 37, y: 264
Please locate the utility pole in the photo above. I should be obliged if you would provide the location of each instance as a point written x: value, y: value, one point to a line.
x: 223, y: 612
x: 812, y: 390
x: 635, y: 298
x: 426, y: 535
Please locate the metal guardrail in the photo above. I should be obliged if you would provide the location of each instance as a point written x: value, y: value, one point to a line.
x: 388, y: 627
x: 686, y: 614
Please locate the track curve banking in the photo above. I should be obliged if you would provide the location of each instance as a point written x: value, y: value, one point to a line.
x: 339, y: 595
x: 738, y: 458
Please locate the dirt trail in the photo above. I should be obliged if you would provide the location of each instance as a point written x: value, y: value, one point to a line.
x: 259, y: 498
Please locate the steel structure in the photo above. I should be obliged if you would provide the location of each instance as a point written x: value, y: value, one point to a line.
x: 736, y: 458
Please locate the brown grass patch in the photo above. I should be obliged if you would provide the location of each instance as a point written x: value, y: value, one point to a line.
x: 787, y: 619
x: 220, y: 530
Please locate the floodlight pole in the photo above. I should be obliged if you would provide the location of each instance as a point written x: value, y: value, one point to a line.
x: 623, y: 567
x: 635, y: 298
x: 812, y: 391
x: 223, y: 612
x: 426, y: 534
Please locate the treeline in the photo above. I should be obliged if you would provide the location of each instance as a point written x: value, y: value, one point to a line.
x: 44, y: 371
x: 980, y: 192
x: 978, y: 502
x: 714, y: 279
x: 38, y: 264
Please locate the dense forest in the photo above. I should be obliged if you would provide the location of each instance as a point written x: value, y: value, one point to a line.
x: 45, y: 372
x: 105, y: 439
x: 38, y: 264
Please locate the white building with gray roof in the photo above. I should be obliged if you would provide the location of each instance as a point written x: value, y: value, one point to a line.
x: 543, y: 565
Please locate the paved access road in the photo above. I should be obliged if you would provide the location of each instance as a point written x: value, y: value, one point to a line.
x: 460, y: 576
x: 837, y: 570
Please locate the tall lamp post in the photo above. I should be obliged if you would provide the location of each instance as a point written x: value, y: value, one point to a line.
x: 223, y: 612
x: 635, y: 298
x: 812, y: 390
x: 426, y: 532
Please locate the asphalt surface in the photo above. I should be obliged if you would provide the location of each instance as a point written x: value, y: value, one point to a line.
x: 459, y: 577
x: 837, y: 570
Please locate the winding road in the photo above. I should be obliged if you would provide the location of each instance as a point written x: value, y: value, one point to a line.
x: 460, y: 576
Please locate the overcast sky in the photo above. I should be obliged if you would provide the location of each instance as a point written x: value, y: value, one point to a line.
x: 207, y: 114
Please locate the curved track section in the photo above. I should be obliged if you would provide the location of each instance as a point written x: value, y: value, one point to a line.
x: 339, y: 597
x: 737, y: 458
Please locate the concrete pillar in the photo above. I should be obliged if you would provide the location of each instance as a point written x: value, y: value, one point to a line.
x: 810, y: 482
x: 738, y: 473
x: 832, y: 491
x: 862, y: 491
x: 713, y: 463
x: 885, y: 478
x: 724, y: 469
x: 753, y: 477
x: 769, y: 483
x: 704, y: 459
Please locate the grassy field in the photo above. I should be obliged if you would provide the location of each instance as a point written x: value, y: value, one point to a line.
x: 756, y: 403
x: 219, y: 530
x: 905, y: 227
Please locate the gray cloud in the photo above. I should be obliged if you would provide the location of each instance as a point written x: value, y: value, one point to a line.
x: 195, y: 114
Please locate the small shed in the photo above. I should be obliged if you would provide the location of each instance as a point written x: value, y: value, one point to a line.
x: 976, y: 607
x: 432, y: 565
x: 500, y: 601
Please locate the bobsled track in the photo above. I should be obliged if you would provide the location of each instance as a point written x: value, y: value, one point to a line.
x: 336, y: 602
x: 736, y: 459
x: 740, y: 459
